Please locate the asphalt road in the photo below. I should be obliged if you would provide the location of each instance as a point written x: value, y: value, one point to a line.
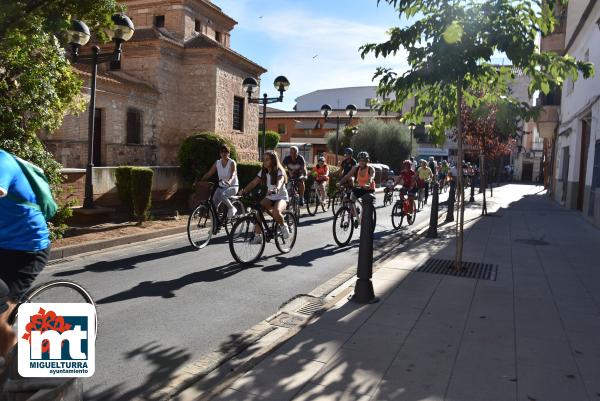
x: 162, y: 304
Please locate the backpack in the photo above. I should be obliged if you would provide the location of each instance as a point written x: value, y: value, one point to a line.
x: 41, y: 188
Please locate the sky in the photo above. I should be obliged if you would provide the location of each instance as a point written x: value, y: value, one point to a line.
x: 314, y: 43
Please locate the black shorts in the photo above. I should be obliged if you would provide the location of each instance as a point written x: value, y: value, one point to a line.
x: 19, y: 270
x: 360, y: 192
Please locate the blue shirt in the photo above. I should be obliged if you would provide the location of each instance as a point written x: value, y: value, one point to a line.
x: 22, y: 228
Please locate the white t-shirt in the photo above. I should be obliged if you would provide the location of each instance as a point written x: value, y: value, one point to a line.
x: 282, y: 193
x: 225, y: 172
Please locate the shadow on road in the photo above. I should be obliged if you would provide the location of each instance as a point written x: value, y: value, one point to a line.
x: 127, y: 263
x: 167, y: 289
x: 305, y: 259
x: 164, y: 362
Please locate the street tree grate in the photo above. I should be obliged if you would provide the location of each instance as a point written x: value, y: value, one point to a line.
x: 481, y: 271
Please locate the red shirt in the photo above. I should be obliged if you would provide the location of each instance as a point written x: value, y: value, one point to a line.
x: 407, y: 178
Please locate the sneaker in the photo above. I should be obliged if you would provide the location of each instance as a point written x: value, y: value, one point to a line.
x: 285, y: 232
x: 231, y: 212
x: 257, y: 240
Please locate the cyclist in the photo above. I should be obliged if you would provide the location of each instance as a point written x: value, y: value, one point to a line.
x: 273, y: 176
x: 364, y: 176
x: 443, y: 174
x: 24, y: 243
x: 296, y: 168
x: 348, y: 162
x: 321, y: 176
x: 425, y: 176
x: 407, y: 178
x: 226, y: 169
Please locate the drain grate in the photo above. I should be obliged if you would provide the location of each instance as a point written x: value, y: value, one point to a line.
x: 310, y: 308
x: 286, y: 320
x: 57, y: 261
x: 532, y: 241
x: 482, y: 271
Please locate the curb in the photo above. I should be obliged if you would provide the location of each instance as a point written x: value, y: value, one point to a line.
x: 217, y: 370
x: 73, y: 250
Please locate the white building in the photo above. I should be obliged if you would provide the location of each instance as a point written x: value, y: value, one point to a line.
x: 339, y: 98
x: 577, y: 145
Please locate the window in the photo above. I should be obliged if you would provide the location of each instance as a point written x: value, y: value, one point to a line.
x: 134, y: 127
x: 238, y: 113
x: 159, y: 21
x: 218, y: 36
x: 368, y: 102
x: 281, y: 129
x: 197, y: 26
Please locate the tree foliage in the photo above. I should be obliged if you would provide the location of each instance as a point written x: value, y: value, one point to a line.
x: 456, y: 40
x: 386, y: 142
x: 344, y: 137
x: 271, y: 139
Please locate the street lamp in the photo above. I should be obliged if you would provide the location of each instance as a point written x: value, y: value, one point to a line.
x: 350, y: 112
x: 79, y: 35
x: 250, y: 84
x: 411, y: 127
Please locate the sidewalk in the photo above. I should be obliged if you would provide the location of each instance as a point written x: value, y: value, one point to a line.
x: 533, y: 334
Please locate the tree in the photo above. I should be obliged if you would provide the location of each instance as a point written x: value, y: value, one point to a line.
x: 450, y: 47
x: 272, y: 139
x: 37, y: 85
x: 345, y: 138
x: 386, y: 142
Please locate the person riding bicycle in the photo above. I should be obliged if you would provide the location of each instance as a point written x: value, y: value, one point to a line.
x: 348, y: 162
x: 273, y: 176
x: 363, y: 176
x: 321, y: 173
x: 296, y: 168
x: 444, y: 171
x: 407, y: 178
x: 24, y: 243
x: 425, y: 175
x: 226, y: 169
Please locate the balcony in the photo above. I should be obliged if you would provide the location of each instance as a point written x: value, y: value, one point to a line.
x: 548, y: 121
x: 554, y: 42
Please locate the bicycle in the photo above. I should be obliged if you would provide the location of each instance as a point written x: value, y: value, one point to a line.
x: 345, y: 221
x: 254, y: 223
x: 294, y: 195
x: 401, y: 208
x: 207, y: 220
x: 388, y: 197
x: 13, y: 387
x: 421, y: 196
x: 314, y: 200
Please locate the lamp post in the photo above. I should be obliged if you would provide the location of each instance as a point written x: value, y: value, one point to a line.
x: 350, y: 112
x: 78, y: 35
x: 250, y: 84
x: 411, y: 127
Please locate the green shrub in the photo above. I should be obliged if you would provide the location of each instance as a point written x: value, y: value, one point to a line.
x: 141, y: 191
x: 123, y: 183
x: 198, y: 153
x: 247, y: 171
x: 271, y: 140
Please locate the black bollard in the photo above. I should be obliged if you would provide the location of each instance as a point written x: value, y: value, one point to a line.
x: 472, y: 198
x: 451, y: 196
x: 433, y: 219
x: 363, y: 291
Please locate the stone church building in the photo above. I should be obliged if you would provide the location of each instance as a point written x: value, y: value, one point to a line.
x: 178, y: 76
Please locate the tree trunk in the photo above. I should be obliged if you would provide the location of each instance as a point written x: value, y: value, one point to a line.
x: 459, y: 179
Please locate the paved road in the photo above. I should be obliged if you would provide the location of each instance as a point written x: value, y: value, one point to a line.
x: 162, y: 305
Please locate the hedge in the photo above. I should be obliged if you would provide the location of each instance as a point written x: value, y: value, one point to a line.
x: 271, y: 139
x: 141, y: 191
x: 123, y: 183
x: 198, y: 153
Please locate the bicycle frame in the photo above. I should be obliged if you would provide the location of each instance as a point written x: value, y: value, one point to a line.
x: 259, y: 212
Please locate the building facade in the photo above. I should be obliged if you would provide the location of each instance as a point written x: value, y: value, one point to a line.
x: 178, y: 76
x: 575, y: 112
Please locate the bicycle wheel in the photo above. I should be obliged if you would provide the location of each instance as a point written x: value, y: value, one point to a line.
x: 241, y: 210
x: 397, y: 215
x: 200, y: 226
x: 387, y: 199
x: 325, y: 202
x: 336, y: 201
x: 312, y: 202
x: 286, y: 245
x: 410, y: 218
x: 243, y: 245
x: 63, y: 291
x: 343, y: 226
